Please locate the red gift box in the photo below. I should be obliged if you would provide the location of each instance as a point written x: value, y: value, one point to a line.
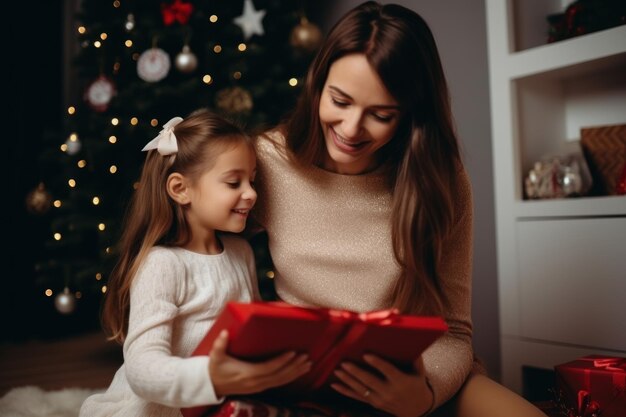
x: 261, y: 330
x: 593, y: 384
x: 248, y: 407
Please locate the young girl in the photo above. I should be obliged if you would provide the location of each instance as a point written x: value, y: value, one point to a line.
x: 176, y: 272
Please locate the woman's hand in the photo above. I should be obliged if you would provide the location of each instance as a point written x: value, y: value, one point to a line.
x: 232, y: 376
x: 398, y: 393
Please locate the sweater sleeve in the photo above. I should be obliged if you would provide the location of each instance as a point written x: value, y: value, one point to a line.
x: 153, y: 373
x: 448, y: 361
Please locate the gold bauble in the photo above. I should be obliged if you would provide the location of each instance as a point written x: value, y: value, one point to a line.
x: 234, y: 100
x: 39, y: 200
x: 306, y: 36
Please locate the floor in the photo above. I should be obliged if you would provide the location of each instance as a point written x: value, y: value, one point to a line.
x: 85, y: 361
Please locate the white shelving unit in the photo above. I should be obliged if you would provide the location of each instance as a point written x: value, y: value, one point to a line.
x: 561, y: 262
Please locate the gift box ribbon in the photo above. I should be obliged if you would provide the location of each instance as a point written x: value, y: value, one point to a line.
x: 609, y: 364
x: 358, y: 326
x: 346, y: 328
x: 586, y: 406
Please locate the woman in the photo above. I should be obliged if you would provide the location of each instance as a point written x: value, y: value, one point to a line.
x: 367, y: 205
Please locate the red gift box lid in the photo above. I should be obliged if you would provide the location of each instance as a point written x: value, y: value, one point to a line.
x: 597, y: 363
x: 261, y: 330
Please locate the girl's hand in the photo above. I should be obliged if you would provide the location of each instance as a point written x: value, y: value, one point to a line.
x: 398, y: 393
x: 233, y: 376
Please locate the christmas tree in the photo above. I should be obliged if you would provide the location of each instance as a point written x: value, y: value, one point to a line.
x: 140, y: 63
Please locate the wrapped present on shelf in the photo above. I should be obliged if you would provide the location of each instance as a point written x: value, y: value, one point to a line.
x: 605, y: 150
x: 593, y: 386
x: 261, y: 330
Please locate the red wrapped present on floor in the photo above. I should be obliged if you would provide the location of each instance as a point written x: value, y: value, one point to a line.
x: 255, y: 407
x: 248, y: 407
x: 261, y: 330
x: 593, y: 386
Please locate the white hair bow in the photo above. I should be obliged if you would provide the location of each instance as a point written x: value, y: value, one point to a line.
x: 165, y: 142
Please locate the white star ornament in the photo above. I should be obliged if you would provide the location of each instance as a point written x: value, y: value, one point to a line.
x: 250, y: 20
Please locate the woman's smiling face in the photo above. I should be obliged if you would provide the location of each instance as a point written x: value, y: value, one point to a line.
x: 358, y: 116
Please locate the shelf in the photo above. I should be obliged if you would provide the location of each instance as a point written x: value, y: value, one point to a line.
x: 570, y: 57
x: 552, y: 252
x: 571, y: 207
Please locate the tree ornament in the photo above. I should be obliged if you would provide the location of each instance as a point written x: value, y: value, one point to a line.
x: 250, y: 20
x: 305, y: 36
x: 99, y: 93
x: 179, y: 11
x: 130, y: 22
x: 186, y: 60
x: 65, y: 302
x: 234, y: 100
x: 153, y: 65
x: 73, y: 144
x: 39, y: 200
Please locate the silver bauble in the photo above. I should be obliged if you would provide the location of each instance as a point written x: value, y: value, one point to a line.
x: 571, y: 182
x: 186, y: 60
x: 65, y: 302
x: 130, y: 22
x: 73, y: 146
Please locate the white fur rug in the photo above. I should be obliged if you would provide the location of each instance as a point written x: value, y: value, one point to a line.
x: 32, y: 401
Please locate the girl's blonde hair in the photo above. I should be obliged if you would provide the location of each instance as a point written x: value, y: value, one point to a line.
x: 153, y: 218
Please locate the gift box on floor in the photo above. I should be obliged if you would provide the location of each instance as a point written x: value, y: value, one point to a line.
x: 248, y: 407
x: 261, y: 330
x: 253, y: 407
x: 593, y: 386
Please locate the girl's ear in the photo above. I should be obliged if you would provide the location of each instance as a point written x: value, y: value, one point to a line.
x: 177, y: 188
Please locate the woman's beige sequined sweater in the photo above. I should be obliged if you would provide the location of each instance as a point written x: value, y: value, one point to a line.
x: 330, y: 242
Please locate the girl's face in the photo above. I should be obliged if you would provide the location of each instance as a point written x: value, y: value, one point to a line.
x: 223, y: 196
x: 358, y: 116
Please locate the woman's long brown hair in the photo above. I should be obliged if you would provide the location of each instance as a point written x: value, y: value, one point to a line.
x: 153, y: 218
x: 422, y: 159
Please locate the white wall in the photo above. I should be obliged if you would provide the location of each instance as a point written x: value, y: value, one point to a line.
x: 460, y: 32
